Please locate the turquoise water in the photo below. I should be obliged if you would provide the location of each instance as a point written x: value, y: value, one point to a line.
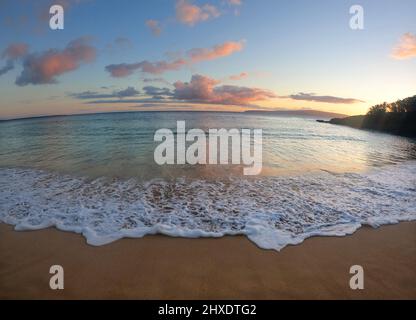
x: 95, y: 175
x: 121, y: 144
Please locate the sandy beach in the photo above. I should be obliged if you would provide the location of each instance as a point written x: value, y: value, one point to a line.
x: 158, y: 267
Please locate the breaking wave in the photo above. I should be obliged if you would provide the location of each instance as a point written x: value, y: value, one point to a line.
x: 271, y: 211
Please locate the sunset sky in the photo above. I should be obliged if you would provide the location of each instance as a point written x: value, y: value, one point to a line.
x: 204, y: 55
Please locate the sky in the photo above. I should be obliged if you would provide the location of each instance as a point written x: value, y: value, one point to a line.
x: 225, y: 55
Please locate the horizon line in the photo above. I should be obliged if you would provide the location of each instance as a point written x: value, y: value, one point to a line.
x: 150, y: 111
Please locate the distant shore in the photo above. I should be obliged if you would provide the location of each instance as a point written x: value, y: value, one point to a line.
x: 158, y: 267
x: 302, y: 112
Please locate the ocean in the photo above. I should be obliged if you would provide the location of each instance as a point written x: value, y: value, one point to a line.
x: 96, y: 175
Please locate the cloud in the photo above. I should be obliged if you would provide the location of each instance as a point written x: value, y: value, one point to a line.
x: 406, y: 48
x: 125, y: 69
x: 200, y: 90
x: 152, y: 80
x: 191, y: 14
x: 15, y: 51
x: 325, y: 99
x: 129, y: 92
x: 234, y: 2
x: 133, y: 101
x: 206, y: 90
x: 193, y: 56
x: 238, y: 77
x: 157, y: 92
x: 9, y: 66
x: 241, y: 95
x: 43, y: 68
x: 154, y: 27
x: 218, y: 51
x: 12, y: 53
x: 86, y: 95
x: 122, y: 69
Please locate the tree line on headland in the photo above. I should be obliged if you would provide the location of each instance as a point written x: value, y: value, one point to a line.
x: 396, y: 118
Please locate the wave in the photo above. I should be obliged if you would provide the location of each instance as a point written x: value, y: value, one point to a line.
x: 273, y: 212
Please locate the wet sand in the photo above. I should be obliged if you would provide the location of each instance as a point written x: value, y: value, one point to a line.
x: 158, y: 267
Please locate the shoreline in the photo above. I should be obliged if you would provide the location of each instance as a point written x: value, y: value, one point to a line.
x: 160, y: 267
x: 105, y: 210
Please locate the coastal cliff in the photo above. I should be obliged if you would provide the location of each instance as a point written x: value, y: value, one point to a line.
x: 396, y: 118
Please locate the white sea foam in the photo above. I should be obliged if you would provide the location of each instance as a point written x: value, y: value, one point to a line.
x: 271, y: 211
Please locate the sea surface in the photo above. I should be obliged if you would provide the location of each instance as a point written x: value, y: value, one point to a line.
x: 96, y: 175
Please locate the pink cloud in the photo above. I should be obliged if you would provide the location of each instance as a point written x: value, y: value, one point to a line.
x: 235, y: 2
x: 219, y: 51
x: 154, y: 27
x: 45, y: 67
x: 193, y: 56
x: 406, y: 48
x: 206, y: 90
x: 238, y: 77
x: 199, y: 88
x: 125, y: 69
x: 15, y: 51
x: 12, y: 53
x: 190, y: 14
